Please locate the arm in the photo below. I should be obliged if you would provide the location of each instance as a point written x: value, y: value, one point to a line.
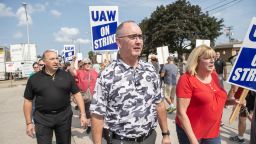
x: 97, y: 126
x: 225, y: 73
x: 80, y: 102
x: 182, y: 105
x: 27, y: 109
x: 162, y: 118
x: 232, y: 91
x: 162, y: 74
x: 76, y: 64
x: 74, y: 67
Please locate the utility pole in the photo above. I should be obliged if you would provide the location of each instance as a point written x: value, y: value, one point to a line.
x: 228, y: 32
x: 25, y: 7
x: 27, y: 57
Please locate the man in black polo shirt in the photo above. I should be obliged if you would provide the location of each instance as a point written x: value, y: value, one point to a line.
x: 221, y: 68
x: 51, y: 87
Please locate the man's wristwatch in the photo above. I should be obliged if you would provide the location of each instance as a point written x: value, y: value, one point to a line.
x: 166, y: 133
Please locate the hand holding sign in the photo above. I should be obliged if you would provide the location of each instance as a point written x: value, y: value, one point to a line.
x: 243, y: 74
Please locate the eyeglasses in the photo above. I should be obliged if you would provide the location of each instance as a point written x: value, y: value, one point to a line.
x: 133, y: 36
x: 35, y: 67
x: 87, y: 63
x: 41, y: 64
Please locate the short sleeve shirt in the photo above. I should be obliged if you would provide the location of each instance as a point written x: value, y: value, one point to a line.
x: 219, y: 66
x: 52, y: 93
x: 127, y: 98
x: 171, y: 72
x: 86, y: 79
x: 206, y: 104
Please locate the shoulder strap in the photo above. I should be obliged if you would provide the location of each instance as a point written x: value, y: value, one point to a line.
x: 89, y: 80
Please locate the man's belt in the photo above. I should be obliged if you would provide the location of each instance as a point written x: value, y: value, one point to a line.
x: 138, y: 139
x: 53, y: 111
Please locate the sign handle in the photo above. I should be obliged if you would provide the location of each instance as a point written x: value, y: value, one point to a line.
x: 238, y: 106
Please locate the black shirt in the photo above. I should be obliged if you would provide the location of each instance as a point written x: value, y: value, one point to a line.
x: 52, y: 93
x: 219, y: 66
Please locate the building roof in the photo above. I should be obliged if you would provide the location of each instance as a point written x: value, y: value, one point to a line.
x: 236, y: 44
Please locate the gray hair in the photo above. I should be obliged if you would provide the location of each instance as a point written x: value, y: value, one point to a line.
x: 119, y: 28
x: 47, y: 51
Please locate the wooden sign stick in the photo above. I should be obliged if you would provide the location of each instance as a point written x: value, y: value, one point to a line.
x: 238, y: 106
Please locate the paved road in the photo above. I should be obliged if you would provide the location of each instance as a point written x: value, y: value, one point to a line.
x: 12, y: 127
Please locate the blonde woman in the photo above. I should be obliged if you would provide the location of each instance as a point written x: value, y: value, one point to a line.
x: 200, y: 100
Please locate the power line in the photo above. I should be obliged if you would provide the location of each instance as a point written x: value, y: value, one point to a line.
x: 222, y: 5
x: 228, y: 6
x: 215, y: 4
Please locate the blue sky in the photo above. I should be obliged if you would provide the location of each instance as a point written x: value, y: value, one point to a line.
x: 53, y: 23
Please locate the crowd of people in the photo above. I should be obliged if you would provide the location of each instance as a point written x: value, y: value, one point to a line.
x: 123, y: 101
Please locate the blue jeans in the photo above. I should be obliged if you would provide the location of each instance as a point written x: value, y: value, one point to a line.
x: 183, y: 138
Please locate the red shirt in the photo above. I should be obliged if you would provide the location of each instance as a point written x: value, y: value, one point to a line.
x: 82, y: 79
x: 206, y: 105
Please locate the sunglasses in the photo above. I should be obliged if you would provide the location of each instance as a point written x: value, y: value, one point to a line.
x: 35, y: 67
x: 41, y: 64
x: 87, y: 63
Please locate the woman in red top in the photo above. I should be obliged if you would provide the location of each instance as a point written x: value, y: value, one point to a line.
x: 86, y: 78
x: 200, y: 100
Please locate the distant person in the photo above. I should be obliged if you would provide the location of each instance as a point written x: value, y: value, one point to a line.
x: 200, y: 100
x: 36, y: 68
x: 154, y: 62
x: 221, y: 68
x: 170, y: 73
x: 86, y: 79
x: 182, y: 65
x: 232, y: 59
x: 51, y: 87
x: 41, y: 63
x: 66, y: 67
x: 127, y: 95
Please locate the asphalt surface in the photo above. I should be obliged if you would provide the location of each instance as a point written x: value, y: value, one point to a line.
x: 12, y: 122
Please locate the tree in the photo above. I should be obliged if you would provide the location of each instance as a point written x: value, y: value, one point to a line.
x: 177, y: 26
x: 90, y: 54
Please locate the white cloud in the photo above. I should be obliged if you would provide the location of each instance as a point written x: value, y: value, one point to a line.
x: 66, y: 34
x: 83, y: 41
x: 55, y: 13
x: 18, y: 35
x: 218, y: 14
x: 6, y: 11
x: 39, y: 7
x: 21, y: 15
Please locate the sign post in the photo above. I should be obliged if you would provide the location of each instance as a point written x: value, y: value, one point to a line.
x: 243, y: 73
x: 162, y: 54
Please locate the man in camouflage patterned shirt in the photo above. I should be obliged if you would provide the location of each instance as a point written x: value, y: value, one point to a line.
x: 127, y: 95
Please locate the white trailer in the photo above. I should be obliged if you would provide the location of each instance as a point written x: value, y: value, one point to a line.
x: 24, y: 54
x: 4, y: 57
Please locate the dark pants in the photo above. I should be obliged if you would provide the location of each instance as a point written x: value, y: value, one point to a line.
x: 150, y: 140
x: 183, y: 138
x: 87, y: 109
x: 60, y: 123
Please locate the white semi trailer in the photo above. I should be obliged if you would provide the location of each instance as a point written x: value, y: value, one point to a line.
x: 4, y: 57
x: 23, y: 56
